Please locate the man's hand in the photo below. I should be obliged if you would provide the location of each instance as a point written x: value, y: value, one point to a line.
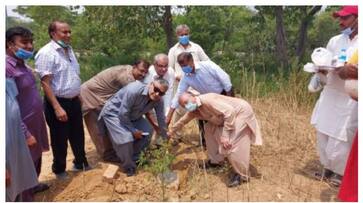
x: 225, y: 142
x: 7, y: 178
x: 170, y: 134
x: 31, y: 141
x: 348, y: 71
x: 137, y: 135
x: 61, y: 114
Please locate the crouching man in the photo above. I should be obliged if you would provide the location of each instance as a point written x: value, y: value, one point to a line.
x: 230, y: 130
x: 123, y: 116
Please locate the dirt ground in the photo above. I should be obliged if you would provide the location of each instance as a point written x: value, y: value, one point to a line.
x: 285, y: 163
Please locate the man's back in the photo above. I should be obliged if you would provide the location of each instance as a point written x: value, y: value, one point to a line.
x: 97, y: 90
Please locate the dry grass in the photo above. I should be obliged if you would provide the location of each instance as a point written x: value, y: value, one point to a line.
x: 285, y: 160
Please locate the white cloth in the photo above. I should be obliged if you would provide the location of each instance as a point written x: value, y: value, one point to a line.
x: 335, y: 113
x: 333, y: 153
x: 52, y: 60
x: 196, y: 50
x: 170, y: 77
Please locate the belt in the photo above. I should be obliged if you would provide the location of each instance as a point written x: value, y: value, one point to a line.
x: 68, y: 99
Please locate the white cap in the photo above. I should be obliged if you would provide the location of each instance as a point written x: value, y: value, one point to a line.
x: 322, y: 57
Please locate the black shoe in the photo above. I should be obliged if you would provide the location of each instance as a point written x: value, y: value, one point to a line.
x: 325, y: 175
x: 237, y: 179
x: 130, y: 172
x: 335, y: 180
x: 209, y: 165
x: 40, y: 188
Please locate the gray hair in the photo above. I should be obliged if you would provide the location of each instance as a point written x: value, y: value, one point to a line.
x: 162, y: 82
x: 181, y: 27
x: 160, y: 56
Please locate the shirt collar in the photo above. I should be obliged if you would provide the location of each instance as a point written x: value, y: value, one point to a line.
x: 14, y: 61
x: 189, y: 45
x: 56, y: 46
x: 145, y: 91
x: 199, y: 103
x: 197, y: 67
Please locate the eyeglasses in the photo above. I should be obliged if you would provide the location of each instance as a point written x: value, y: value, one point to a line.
x: 162, y: 66
x: 157, y: 90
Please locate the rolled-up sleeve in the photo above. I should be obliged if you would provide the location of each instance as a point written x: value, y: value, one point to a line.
x: 222, y: 76
x: 44, y: 64
x: 124, y: 113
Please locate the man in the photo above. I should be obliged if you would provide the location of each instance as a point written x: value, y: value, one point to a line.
x: 59, y: 71
x: 230, y: 129
x: 94, y: 94
x: 19, y: 48
x: 204, y: 77
x: 160, y: 69
x: 335, y: 113
x: 20, y: 171
x: 123, y: 116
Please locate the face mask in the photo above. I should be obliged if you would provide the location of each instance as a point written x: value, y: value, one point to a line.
x: 348, y: 31
x: 190, y: 106
x: 187, y: 69
x: 24, y: 54
x: 184, y: 40
x: 62, y: 44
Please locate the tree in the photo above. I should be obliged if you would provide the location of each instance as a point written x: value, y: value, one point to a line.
x: 303, y: 31
x: 281, y: 47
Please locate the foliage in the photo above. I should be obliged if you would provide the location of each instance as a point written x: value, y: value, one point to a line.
x: 239, y: 39
x: 157, y: 162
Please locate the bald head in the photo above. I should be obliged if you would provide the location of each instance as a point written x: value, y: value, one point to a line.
x: 185, y: 97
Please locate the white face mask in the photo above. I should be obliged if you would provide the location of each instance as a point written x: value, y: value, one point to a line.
x: 347, y: 31
x: 190, y: 106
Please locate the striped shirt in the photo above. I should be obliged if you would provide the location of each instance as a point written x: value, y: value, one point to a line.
x: 52, y: 60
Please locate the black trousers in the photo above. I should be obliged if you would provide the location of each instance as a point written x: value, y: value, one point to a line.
x: 62, y: 132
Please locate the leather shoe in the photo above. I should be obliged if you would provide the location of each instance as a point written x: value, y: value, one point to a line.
x: 237, y: 180
x: 130, y: 172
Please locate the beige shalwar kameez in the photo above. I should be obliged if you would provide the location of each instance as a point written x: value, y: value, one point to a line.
x: 227, y: 118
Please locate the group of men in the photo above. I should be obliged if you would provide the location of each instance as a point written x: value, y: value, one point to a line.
x: 124, y: 105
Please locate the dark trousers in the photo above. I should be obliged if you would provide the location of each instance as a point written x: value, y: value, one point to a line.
x: 61, y: 132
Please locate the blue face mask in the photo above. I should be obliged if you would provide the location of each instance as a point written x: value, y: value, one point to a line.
x: 187, y: 69
x: 184, y: 40
x: 24, y: 54
x: 190, y: 106
x: 347, y: 31
x: 62, y: 44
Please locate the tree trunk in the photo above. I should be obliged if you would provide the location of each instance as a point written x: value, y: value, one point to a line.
x: 303, y: 31
x: 168, y: 27
x: 281, y: 47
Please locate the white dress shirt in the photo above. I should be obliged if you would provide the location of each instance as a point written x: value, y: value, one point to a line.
x: 170, y: 77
